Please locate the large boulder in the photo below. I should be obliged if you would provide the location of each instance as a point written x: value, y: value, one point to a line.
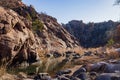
x: 109, y: 76
x: 103, y: 67
x: 79, y: 71
x: 62, y: 72
x: 17, y: 42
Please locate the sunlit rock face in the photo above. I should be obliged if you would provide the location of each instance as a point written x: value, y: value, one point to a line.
x: 17, y: 42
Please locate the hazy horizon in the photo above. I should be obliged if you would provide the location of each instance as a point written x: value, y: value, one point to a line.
x: 86, y: 10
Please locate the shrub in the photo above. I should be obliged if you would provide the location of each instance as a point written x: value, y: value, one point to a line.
x: 28, y: 16
x: 37, y: 25
x: 110, y: 42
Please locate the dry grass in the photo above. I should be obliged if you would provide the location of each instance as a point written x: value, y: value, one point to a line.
x: 42, y: 53
x: 79, y: 50
x: 113, y: 54
x: 2, y: 70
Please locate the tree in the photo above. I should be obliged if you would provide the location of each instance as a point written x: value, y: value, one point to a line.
x: 117, y: 2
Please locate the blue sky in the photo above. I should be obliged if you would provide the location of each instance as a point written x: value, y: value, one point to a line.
x: 86, y: 10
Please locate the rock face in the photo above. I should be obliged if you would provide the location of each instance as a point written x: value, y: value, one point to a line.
x: 91, y: 34
x: 21, y: 38
x: 11, y: 3
x: 54, y: 34
x: 17, y: 42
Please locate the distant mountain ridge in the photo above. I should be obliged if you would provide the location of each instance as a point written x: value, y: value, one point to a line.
x: 91, y: 34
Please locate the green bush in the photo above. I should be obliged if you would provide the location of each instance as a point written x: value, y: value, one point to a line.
x: 28, y: 17
x: 110, y: 42
x: 37, y: 25
x: 28, y: 70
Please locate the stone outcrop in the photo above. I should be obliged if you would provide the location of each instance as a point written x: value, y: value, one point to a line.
x: 17, y: 41
x: 23, y: 32
x: 11, y: 3
x: 54, y: 36
x: 91, y: 34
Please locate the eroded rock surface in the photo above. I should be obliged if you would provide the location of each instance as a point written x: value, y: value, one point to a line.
x: 17, y: 42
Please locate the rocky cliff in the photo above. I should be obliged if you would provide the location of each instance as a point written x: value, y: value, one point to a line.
x: 51, y: 34
x: 54, y: 35
x: 23, y: 32
x: 91, y: 34
x: 17, y: 41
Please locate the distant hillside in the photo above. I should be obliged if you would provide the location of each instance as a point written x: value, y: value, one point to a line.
x: 91, y: 34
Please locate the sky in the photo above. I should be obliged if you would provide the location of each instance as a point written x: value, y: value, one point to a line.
x: 86, y: 10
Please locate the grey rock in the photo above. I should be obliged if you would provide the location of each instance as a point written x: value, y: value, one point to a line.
x: 42, y: 76
x: 109, y: 76
x: 79, y: 71
x: 82, y: 76
x: 63, y: 78
x: 93, y: 75
x: 63, y: 72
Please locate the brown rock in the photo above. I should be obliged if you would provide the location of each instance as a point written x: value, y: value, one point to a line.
x: 54, y: 35
x: 17, y: 42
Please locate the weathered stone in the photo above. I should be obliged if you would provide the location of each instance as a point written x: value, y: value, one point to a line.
x: 63, y: 78
x: 109, y: 76
x: 64, y: 72
x: 42, y: 76
x: 93, y: 75
x: 82, y: 76
x: 15, y: 39
x: 79, y: 71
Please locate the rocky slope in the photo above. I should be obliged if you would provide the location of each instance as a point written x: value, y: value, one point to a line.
x: 11, y: 3
x: 51, y: 33
x: 54, y: 35
x: 23, y: 32
x: 17, y: 41
x: 91, y: 34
